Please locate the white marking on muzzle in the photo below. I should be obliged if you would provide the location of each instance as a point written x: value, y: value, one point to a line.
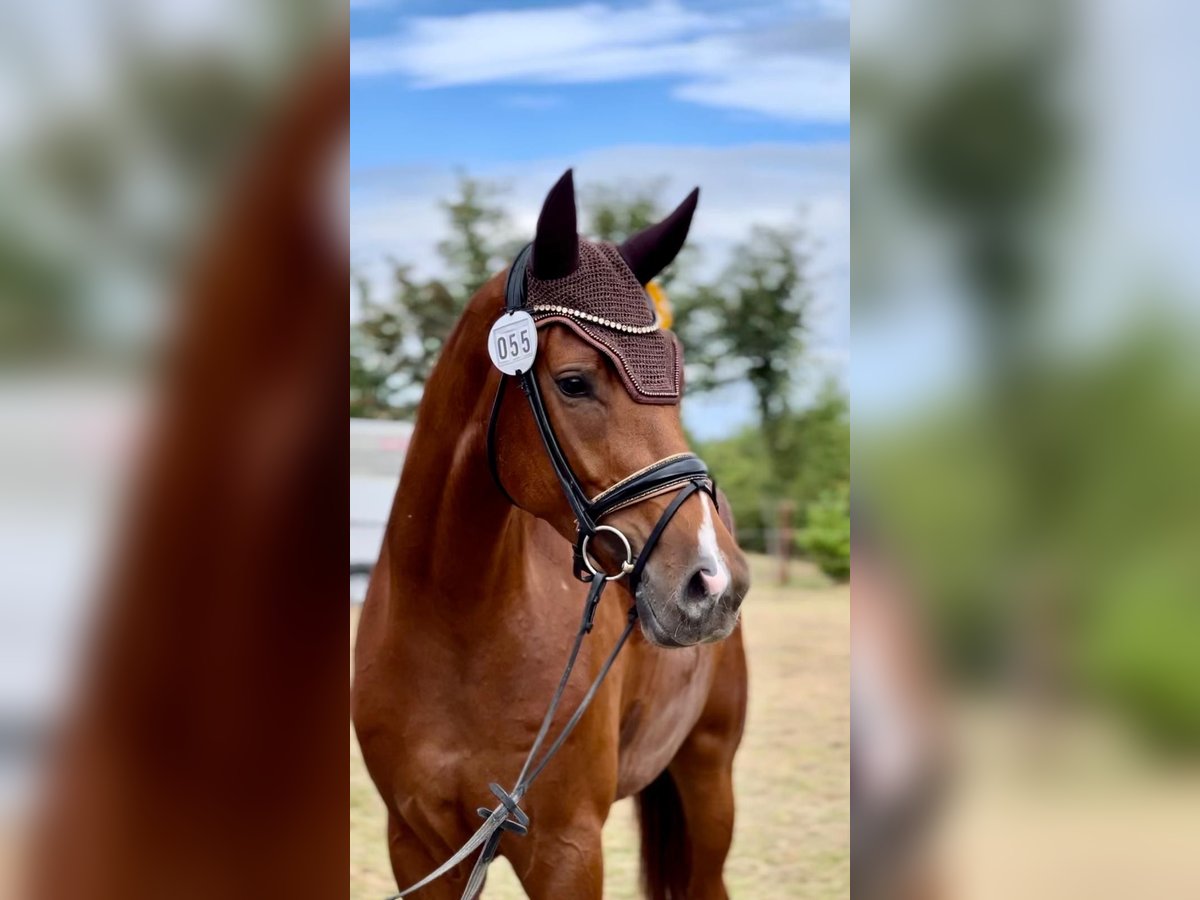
x: 713, y: 571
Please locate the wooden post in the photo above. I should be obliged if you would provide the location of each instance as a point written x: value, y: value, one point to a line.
x: 783, y: 531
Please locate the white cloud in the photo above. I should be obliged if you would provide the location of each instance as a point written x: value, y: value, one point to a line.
x: 533, y: 102
x: 718, y: 60
x: 559, y: 43
x: 795, y: 88
x: 395, y: 211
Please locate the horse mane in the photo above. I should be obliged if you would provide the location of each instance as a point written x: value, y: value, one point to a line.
x: 463, y: 361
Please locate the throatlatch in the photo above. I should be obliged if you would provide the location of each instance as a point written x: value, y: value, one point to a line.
x: 683, y: 473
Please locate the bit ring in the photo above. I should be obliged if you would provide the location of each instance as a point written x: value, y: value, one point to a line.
x: 626, y: 566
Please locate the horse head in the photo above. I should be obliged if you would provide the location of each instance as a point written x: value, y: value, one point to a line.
x: 611, y: 380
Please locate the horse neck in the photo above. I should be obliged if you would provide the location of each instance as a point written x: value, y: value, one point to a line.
x: 452, y: 534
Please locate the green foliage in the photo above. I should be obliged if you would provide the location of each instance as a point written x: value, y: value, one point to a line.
x: 478, y: 244
x: 740, y: 466
x: 1137, y: 646
x: 749, y: 326
x: 826, y: 536
x: 398, y: 338
x: 1060, y: 543
x: 369, y: 393
x: 818, y: 442
x: 613, y: 214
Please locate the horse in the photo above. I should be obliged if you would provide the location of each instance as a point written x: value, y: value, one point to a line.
x: 471, y: 608
x: 202, y: 750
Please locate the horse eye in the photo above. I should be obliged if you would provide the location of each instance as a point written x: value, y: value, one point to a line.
x: 573, y: 386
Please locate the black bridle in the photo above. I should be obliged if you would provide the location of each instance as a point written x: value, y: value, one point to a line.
x: 684, y: 473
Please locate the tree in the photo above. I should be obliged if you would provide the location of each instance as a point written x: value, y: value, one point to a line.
x: 816, y: 442
x: 749, y: 326
x: 615, y: 213
x: 368, y: 382
x: 479, y: 242
x: 397, y: 340
x: 814, y: 445
x: 826, y: 534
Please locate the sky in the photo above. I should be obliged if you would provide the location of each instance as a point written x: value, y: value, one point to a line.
x: 748, y: 100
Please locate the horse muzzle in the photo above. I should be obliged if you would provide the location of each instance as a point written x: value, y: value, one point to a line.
x: 702, y: 608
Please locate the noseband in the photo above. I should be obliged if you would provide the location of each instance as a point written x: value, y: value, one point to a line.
x: 684, y: 473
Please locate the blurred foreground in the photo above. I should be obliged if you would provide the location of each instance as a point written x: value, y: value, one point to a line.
x: 172, y: 261
x: 1026, y: 411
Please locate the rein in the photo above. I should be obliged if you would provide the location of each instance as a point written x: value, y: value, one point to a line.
x: 684, y: 473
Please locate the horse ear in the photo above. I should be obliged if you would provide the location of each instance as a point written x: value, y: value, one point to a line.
x: 651, y: 250
x: 556, y: 242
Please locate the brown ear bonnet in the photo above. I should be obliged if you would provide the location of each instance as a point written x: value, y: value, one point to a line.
x: 597, y: 290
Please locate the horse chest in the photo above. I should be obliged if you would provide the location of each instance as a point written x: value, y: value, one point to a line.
x: 669, y: 697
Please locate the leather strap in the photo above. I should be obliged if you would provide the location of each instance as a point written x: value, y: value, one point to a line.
x: 576, y: 498
x: 659, y: 527
x: 493, y: 465
x: 514, y: 287
x: 664, y: 473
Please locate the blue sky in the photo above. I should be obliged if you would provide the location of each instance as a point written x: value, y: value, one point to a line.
x: 748, y: 100
x: 481, y: 82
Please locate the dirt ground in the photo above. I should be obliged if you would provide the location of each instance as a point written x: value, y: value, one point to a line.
x: 792, y: 778
x: 1081, y: 806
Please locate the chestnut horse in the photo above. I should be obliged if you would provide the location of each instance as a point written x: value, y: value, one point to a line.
x: 203, y: 751
x: 472, y: 607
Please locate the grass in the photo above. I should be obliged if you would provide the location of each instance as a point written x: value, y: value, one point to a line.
x: 792, y: 777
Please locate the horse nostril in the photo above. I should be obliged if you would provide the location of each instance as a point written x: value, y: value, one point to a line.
x: 706, y: 585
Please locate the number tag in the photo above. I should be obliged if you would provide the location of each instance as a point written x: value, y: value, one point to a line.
x: 512, y: 343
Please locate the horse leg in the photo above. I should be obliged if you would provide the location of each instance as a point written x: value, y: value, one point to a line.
x: 702, y: 771
x: 702, y: 774
x: 562, y: 862
x: 412, y: 861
